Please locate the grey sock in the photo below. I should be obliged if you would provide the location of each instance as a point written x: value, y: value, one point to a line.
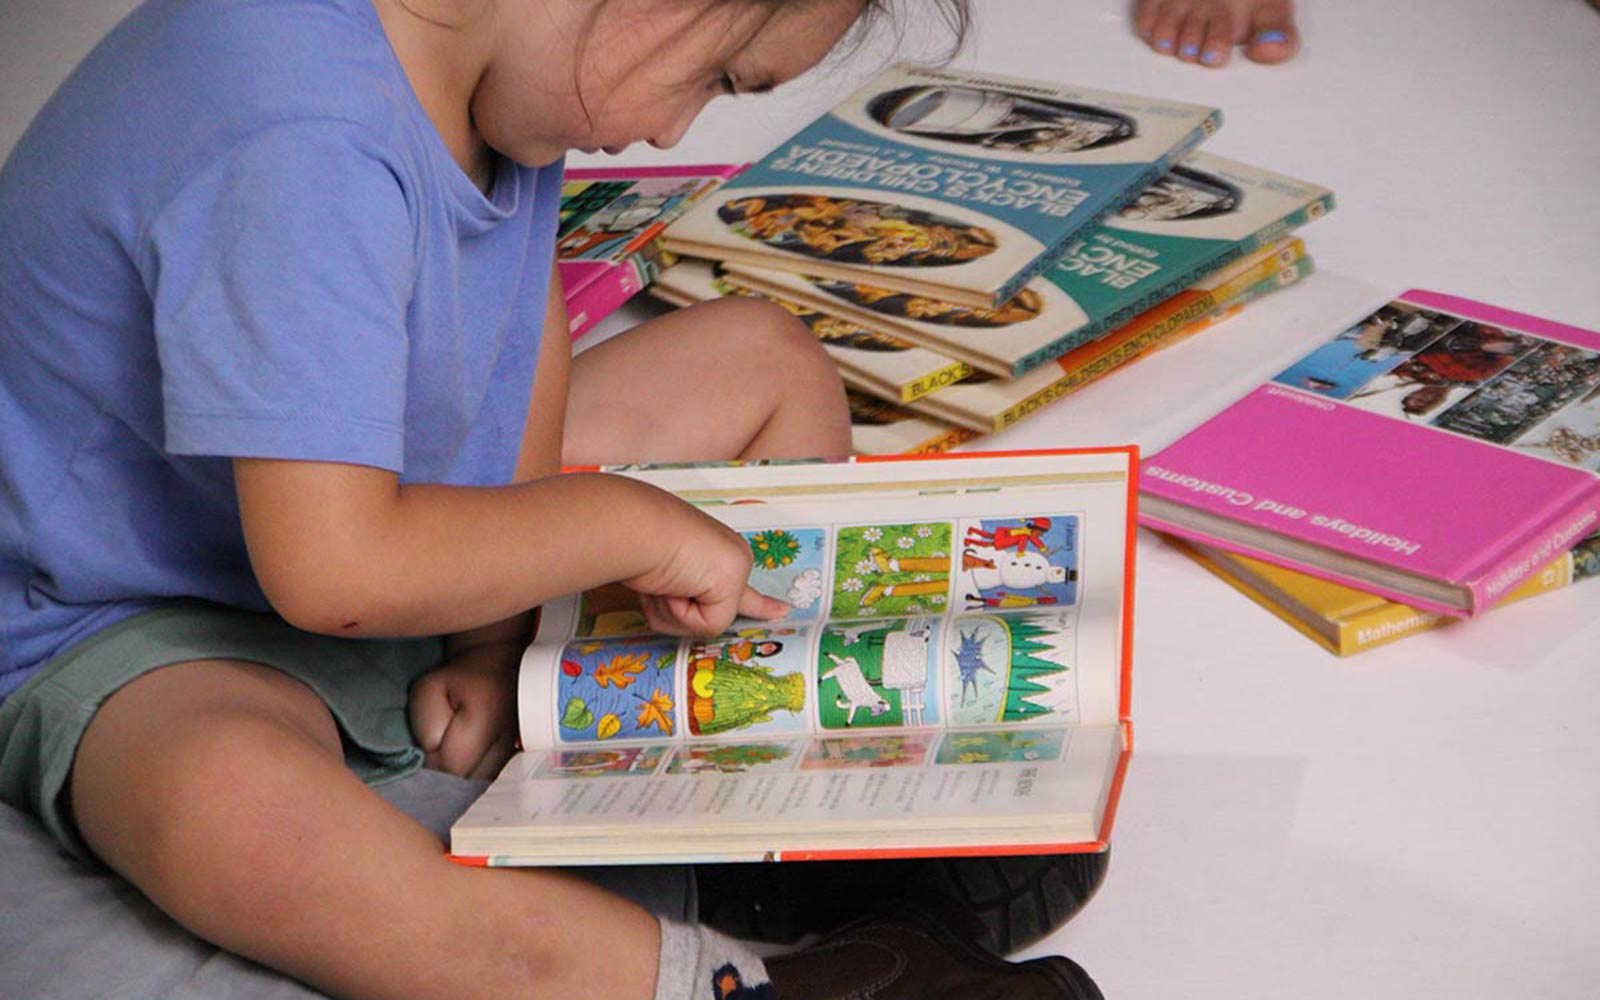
x: 697, y: 963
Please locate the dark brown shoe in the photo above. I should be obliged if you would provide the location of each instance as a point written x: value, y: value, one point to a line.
x: 923, y: 951
x: 1019, y: 900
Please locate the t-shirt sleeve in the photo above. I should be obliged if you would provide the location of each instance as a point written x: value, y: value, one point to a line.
x: 280, y: 276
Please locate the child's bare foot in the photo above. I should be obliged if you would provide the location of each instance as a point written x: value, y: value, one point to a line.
x: 1206, y: 31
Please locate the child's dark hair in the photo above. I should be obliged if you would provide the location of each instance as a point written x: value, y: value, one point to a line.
x: 956, y: 14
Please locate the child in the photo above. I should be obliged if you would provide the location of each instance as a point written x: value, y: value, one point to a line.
x: 283, y: 387
x: 1206, y: 31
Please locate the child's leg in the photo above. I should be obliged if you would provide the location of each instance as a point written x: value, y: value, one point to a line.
x: 219, y: 789
x: 734, y: 378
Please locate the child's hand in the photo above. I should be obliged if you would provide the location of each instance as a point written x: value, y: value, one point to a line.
x: 702, y: 584
x: 463, y: 713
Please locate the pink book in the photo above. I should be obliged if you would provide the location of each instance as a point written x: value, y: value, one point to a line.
x: 610, y: 218
x: 1437, y: 452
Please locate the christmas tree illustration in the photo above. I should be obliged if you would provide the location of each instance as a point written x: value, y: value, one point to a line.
x: 727, y: 695
x: 1027, y: 670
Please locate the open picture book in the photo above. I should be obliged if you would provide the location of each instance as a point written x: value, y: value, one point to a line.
x: 953, y: 677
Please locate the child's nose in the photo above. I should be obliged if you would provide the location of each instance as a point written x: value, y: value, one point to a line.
x: 669, y: 137
x: 674, y: 132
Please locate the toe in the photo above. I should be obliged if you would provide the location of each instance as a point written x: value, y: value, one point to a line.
x: 1194, y: 32
x: 1272, y: 36
x: 1144, y: 17
x: 1170, y: 21
x: 1216, y: 47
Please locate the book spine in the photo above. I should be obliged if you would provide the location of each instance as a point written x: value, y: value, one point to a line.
x: 934, y: 381
x: 1197, y: 271
x: 1130, y: 191
x: 1398, y: 620
x: 1557, y: 532
x: 1275, y: 231
x: 1161, y: 293
x: 946, y: 439
x: 599, y: 298
x: 1198, y: 310
x: 1379, y: 628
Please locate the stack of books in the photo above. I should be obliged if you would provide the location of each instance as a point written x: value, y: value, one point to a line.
x: 1436, y: 458
x: 607, y: 240
x: 972, y: 247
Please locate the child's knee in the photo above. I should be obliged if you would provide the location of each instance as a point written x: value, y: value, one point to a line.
x: 778, y: 342
x: 152, y: 783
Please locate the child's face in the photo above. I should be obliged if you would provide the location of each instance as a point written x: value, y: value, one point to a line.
x: 643, y: 70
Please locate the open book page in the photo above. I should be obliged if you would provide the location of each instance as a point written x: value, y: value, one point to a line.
x: 855, y: 795
x: 951, y: 677
x: 957, y: 593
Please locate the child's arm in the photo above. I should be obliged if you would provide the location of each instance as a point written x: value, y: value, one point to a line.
x: 463, y: 714
x: 348, y: 550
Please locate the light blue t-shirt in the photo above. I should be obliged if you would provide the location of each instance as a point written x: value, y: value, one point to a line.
x: 234, y: 232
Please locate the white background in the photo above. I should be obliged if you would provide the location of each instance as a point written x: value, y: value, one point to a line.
x: 1422, y: 820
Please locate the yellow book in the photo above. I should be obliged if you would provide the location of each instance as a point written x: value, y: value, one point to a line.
x: 1345, y: 620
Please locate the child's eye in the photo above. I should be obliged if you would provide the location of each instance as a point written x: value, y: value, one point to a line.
x: 726, y: 84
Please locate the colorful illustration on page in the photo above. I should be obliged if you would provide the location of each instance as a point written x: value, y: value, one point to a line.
x: 734, y: 758
x: 617, y: 689
x: 884, y: 570
x: 788, y: 565
x: 834, y: 753
x: 878, y: 673
x: 1008, y: 564
x: 1012, y: 667
x: 609, y: 762
x: 752, y: 679
x: 1009, y: 746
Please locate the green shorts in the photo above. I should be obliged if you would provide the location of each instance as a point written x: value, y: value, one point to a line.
x: 363, y: 682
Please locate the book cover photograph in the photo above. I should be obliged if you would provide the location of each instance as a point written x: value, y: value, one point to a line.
x: 1197, y: 217
x: 610, y: 218
x: 867, y: 359
x: 952, y: 675
x: 1437, y: 451
x: 946, y: 184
